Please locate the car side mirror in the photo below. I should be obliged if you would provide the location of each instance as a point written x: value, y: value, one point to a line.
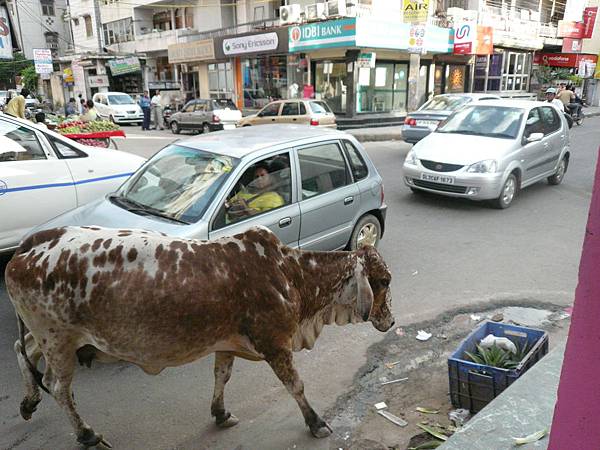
x: 535, y: 137
x: 260, y: 114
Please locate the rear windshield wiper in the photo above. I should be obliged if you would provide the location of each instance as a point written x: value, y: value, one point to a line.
x: 136, y: 207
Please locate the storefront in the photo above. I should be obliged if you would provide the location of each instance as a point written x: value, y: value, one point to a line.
x: 125, y: 75
x: 189, y: 59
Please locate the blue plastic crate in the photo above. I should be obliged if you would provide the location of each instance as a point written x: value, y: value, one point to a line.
x: 472, y: 385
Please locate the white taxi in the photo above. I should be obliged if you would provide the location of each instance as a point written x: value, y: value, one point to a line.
x: 43, y: 174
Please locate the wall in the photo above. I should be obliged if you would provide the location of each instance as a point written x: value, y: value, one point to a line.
x: 83, y: 43
x: 207, y: 16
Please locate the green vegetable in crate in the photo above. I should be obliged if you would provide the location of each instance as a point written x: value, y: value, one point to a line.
x: 497, y: 357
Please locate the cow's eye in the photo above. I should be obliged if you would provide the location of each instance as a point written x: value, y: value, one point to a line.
x: 385, y: 283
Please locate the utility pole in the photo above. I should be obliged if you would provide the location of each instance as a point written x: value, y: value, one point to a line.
x: 98, y: 24
x: 20, y: 29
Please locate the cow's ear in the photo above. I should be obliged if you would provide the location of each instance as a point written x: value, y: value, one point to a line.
x: 364, y: 297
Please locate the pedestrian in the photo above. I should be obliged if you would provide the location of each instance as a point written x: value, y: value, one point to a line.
x: 145, y: 105
x: 71, y: 108
x: 157, y: 111
x: 16, y: 106
x: 80, y: 104
x: 90, y: 114
x: 40, y: 120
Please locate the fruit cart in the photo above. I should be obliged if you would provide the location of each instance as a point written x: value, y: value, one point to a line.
x: 98, y: 133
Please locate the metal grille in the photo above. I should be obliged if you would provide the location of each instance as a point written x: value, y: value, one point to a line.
x: 440, y: 187
x: 440, y: 167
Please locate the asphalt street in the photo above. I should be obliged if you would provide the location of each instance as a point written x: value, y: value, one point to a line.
x: 444, y: 253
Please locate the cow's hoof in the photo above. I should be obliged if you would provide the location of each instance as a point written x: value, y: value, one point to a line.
x: 321, y: 431
x: 28, y: 407
x: 90, y: 439
x: 228, y: 422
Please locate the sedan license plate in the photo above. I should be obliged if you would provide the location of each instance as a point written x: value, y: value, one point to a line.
x: 437, y: 178
x: 431, y: 124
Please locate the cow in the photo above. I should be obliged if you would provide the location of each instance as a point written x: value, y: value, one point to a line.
x: 99, y: 294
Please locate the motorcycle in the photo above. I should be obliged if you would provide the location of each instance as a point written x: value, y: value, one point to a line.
x: 575, y: 117
x: 168, y: 111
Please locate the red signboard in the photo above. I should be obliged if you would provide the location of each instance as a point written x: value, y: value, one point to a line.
x: 589, y: 19
x: 570, y: 29
x: 485, y: 40
x: 571, y: 45
x: 563, y: 59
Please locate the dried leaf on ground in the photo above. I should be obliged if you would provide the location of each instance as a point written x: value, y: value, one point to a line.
x: 531, y: 438
x: 433, y: 432
x: 427, y: 410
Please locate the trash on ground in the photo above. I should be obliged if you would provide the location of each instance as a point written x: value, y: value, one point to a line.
x: 383, y: 379
x: 459, y: 416
x: 394, y: 381
x: 497, y: 317
x: 423, y: 335
x: 392, y: 364
x: 433, y: 432
x: 531, y: 438
x: 399, y: 332
x: 475, y: 317
x: 427, y: 410
x: 501, y: 342
x: 380, y: 405
x: 392, y: 418
x: 416, y: 272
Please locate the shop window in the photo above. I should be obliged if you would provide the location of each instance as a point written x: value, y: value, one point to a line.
x: 331, y: 86
x: 383, y: 88
x: 220, y: 80
x: 89, y: 30
x: 265, y: 80
x: 455, y: 79
x: 47, y: 7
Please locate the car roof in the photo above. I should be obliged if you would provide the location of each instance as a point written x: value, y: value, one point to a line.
x: 243, y: 141
x: 510, y: 103
x: 469, y: 95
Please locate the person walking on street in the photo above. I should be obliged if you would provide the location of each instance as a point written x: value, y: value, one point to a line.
x: 145, y: 105
x: 16, y: 106
x: 157, y: 111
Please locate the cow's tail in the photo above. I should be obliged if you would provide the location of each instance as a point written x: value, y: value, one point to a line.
x: 37, y: 375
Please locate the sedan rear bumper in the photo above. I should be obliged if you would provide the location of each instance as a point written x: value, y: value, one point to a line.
x: 412, y: 135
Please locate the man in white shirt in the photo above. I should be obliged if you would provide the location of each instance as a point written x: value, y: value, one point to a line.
x: 157, y: 112
x: 551, y: 98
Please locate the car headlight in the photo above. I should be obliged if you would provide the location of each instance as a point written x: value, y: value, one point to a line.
x: 411, y: 158
x: 487, y: 166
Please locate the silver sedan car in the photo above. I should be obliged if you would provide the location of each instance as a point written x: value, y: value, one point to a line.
x: 315, y: 188
x: 491, y: 150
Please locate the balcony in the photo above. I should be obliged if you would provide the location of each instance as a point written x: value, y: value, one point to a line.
x: 513, y: 27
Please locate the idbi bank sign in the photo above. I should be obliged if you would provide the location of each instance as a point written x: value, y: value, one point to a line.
x: 328, y: 34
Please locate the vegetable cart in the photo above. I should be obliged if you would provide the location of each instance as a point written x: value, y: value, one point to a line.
x: 97, y: 133
x: 98, y: 138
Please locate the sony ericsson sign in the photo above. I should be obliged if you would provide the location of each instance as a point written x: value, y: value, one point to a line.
x: 328, y: 34
x: 250, y: 44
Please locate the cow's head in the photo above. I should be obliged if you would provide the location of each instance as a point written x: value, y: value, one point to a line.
x: 374, y: 300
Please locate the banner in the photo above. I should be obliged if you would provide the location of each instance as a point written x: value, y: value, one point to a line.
x: 122, y: 66
x: 485, y: 40
x: 570, y: 29
x: 571, y: 45
x: 42, y: 59
x: 6, y: 48
x: 415, y: 11
x: 465, y: 34
x: 589, y: 20
x: 416, y: 40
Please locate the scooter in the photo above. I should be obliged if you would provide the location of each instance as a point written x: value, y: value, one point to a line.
x: 167, y: 112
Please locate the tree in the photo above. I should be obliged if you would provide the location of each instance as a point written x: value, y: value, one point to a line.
x: 30, y: 78
x: 11, y: 68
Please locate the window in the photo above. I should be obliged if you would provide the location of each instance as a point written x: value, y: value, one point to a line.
x: 550, y: 119
x: 383, y: 88
x: 357, y: 163
x: 201, y: 106
x: 323, y: 169
x: 320, y: 107
x: 270, y: 110
x: 51, y: 40
x: 47, y: 7
x: 290, y: 109
x: 302, y: 109
x: 89, y: 30
x: 118, y: 31
x: 264, y: 186
x: 66, y: 151
x: 189, y: 107
x: 220, y: 80
x: 19, y: 143
x: 534, y: 123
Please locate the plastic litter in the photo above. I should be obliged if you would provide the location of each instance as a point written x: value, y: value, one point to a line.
x: 427, y: 410
x: 459, y: 416
x: 423, y: 335
x: 392, y: 418
x: 392, y: 364
x: 380, y: 405
x: 416, y: 272
x: 475, y: 317
x: 501, y: 342
x: 531, y: 438
x: 394, y: 381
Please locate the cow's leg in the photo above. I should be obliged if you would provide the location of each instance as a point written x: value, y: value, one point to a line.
x: 32, y: 390
x: 282, y: 364
x: 60, y: 366
x: 223, y: 366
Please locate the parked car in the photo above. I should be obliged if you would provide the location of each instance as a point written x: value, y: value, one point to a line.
x: 490, y: 151
x: 43, y: 174
x: 423, y: 121
x: 117, y: 107
x: 306, y: 112
x: 276, y: 176
x: 3, y: 98
x: 206, y: 116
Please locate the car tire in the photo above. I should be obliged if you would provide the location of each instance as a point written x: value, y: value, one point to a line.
x: 507, y: 193
x: 367, y: 231
x: 175, y: 127
x: 246, y: 125
x: 205, y: 128
x: 558, y: 176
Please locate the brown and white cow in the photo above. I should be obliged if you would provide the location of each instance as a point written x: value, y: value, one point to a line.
x: 94, y: 293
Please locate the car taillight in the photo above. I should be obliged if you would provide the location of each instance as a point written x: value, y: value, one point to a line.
x: 216, y: 119
x: 314, y: 122
x: 410, y: 122
x: 382, y: 194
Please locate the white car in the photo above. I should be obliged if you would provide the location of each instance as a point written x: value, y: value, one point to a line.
x: 118, y: 107
x: 43, y: 174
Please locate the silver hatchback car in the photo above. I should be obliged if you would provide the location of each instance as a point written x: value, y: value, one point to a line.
x: 316, y: 189
x: 491, y: 150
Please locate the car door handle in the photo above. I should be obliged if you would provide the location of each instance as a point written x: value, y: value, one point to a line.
x: 272, y: 120
x: 348, y: 200
x: 294, y: 119
x: 285, y: 222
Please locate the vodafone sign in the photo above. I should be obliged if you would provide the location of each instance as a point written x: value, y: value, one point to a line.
x: 563, y: 59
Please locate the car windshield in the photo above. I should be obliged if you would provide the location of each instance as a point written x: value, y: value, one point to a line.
x: 178, y: 184
x: 120, y: 99
x: 223, y: 103
x: 319, y: 107
x: 491, y: 121
x: 445, y: 103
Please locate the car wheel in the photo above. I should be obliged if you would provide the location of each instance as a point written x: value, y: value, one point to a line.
x: 367, y: 231
x: 507, y: 194
x: 175, y: 128
x: 205, y: 128
x: 559, y: 174
x: 246, y: 125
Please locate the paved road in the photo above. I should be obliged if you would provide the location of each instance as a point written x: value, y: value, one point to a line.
x: 443, y: 253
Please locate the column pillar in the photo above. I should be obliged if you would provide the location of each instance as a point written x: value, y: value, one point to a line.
x: 413, y: 82
x: 351, y: 77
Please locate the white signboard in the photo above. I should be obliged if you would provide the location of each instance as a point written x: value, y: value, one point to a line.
x: 98, y: 81
x: 42, y: 58
x: 250, y: 44
x: 6, y: 50
x: 366, y: 60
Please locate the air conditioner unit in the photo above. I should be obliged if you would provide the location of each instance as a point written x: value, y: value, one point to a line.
x: 315, y: 12
x: 290, y: 14
x: 336, y: 8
